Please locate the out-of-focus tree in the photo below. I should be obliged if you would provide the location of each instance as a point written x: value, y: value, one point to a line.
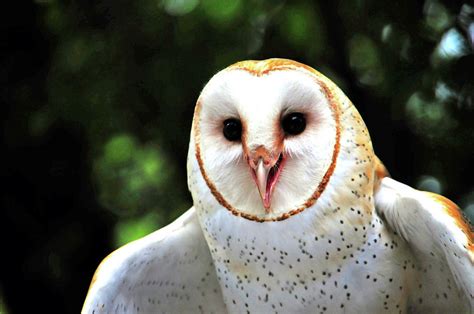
x: 100, y: 94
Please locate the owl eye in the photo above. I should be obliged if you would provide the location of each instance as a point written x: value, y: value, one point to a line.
x: 232, y: 130
x: 293, y: 123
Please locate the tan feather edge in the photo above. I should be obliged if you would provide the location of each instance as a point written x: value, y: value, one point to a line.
x: 453, y: 211
x: 380, y: 172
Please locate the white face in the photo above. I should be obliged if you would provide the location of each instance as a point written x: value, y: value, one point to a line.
x: 277, y: 162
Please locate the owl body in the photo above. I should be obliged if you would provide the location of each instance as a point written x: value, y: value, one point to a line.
x: 322, y: 258
x: 293, y: 213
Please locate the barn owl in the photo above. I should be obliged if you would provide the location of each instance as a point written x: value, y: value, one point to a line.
x: 293, y: 212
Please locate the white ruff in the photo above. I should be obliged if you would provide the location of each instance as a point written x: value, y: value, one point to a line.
x: 260, y: 103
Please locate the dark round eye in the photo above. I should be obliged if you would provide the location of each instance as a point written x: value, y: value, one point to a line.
x: 293, y: 123
x: 232, y: 130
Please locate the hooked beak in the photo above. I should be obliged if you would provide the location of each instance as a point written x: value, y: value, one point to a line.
x: 266, y: 176
x: 261, y: 174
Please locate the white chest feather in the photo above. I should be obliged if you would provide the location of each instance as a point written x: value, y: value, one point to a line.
x: 298, y: 265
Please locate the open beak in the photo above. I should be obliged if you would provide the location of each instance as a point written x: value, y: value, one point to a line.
x: 266, y: 177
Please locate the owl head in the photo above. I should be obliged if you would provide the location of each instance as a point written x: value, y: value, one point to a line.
x: 266, y: 136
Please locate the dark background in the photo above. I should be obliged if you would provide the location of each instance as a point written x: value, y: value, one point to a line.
x: 97, y: 102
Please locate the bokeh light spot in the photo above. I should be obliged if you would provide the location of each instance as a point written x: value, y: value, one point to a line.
x: 430, y: 184
x: 451, y: 46
x: 443, y: 92
x: 436, y: 16
x: 119, y: 149
x: 222, y: 11
x: 364, y: 59
x: 302, y: 27
x: 179, y: 7
x: 428, y: 117
x: 387, y: 31
x: 128, y: 230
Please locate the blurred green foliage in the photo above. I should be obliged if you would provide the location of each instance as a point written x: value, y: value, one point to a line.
x: 130, y: 71
x: 134, y: 228
x: 128, y: 74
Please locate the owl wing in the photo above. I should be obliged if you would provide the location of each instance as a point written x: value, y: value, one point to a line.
x: 170, y: 270
x: 433, y: 226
